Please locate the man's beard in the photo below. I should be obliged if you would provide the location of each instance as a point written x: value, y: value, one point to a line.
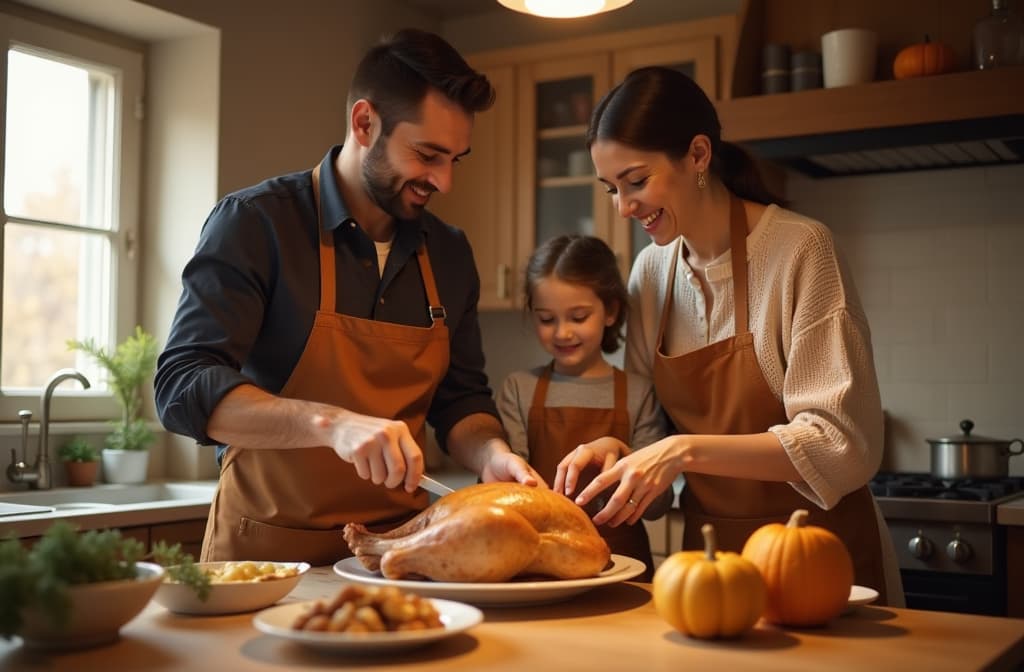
x: 384, y: 185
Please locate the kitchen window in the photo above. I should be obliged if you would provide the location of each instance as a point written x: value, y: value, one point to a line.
x: 70, y: 182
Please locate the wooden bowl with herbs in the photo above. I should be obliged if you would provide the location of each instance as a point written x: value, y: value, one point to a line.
x: 73, y: 590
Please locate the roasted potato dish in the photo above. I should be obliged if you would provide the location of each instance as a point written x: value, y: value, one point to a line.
x: 370, y: 609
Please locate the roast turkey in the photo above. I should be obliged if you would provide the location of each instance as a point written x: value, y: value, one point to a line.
x: 489, y: 532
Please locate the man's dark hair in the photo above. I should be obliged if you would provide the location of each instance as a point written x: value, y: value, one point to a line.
x: 396, y: 74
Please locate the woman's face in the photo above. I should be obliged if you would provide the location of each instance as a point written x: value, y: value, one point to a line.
x: 657, y: 193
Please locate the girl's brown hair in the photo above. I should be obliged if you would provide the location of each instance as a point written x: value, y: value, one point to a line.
x: 587, y: 261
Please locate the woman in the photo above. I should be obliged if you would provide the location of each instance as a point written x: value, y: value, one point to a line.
x: 752, y: 332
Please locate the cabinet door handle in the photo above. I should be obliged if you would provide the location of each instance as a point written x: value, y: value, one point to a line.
x: 503, y: 281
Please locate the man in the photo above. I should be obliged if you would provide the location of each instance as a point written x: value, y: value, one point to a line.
x: 317, y: 322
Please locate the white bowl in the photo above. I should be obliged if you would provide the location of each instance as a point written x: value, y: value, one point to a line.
x: 98, y: 610
x: 228, y: 598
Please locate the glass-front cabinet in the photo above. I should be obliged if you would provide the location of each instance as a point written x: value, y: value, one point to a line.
x: 557, y: 191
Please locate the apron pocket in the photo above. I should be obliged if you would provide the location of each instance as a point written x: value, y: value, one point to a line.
x: 254, y: 540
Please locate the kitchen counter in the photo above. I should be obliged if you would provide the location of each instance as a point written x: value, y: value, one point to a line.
x: 105, y: 505
x: 611, y: 627
x: 1011, y: 513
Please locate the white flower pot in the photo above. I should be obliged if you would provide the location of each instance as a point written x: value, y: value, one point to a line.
x: 125, y: 466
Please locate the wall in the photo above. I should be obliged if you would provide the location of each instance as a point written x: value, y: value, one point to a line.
x: 936, y: 258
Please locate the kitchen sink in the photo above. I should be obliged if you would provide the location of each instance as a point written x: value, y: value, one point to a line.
x: 110, y: 496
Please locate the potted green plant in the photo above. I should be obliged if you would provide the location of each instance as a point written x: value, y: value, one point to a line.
x: 81, y: 461
x: 128, y: 368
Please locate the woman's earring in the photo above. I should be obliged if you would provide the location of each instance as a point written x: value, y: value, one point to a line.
x: 702, y: 180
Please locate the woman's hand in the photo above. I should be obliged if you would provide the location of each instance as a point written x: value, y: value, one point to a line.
x: 601, y: 453
x: 642, y: 477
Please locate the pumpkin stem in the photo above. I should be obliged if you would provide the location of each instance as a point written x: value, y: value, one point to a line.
x: 798, y: 518
x: 710, y: 543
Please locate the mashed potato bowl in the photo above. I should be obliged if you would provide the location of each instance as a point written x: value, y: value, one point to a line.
x: 235, y: 587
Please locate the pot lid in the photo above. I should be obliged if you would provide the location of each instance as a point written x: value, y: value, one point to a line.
x: 967, y: 437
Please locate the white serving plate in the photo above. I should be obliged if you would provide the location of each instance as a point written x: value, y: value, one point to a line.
x: 228, y: 598
x: 507, y: 594
x: 277, y: 621
x: 861, y: 595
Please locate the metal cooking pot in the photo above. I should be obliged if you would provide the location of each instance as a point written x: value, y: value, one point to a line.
x: 966, y: 456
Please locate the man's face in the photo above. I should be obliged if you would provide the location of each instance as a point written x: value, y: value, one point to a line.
x: 402, y: 170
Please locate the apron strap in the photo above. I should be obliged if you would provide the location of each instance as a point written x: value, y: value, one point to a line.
x: 621, y: 406
x: 327, y: 279
x: 738, y: 236
x: 670, y: 289
x: 435, y: 310
x: 540, y: 392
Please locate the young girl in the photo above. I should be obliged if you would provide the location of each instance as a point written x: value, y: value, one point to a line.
x: 578, y: 304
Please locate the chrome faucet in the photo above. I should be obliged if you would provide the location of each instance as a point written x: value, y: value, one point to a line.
x: 40, y: 476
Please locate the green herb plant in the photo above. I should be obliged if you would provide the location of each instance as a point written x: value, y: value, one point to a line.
x: 128, y: 368
x: 181, y: 568
x: 77, y: 450
x: 62, y: 558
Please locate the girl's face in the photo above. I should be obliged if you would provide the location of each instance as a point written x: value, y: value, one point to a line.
x: 570, y: 320
x: 657, y: 193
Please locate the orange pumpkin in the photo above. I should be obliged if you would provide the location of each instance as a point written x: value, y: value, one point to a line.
x: 807, y: 571
x: 921, y: 60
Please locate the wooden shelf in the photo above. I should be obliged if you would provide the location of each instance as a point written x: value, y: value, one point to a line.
x: 559, y: 132
x: 954, y: 97
x: 567, y: 181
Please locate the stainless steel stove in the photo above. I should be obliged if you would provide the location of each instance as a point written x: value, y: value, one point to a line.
x: 952, y: 553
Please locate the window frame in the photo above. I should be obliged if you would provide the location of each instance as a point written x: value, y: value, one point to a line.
x: 127, y: 67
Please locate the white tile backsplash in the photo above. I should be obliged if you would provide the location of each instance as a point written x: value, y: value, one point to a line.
x: 937, y: 259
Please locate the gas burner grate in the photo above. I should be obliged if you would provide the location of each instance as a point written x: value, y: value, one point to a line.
x: 926, y: 486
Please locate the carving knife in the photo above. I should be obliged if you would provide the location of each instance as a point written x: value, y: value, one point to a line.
x: 434, y: 486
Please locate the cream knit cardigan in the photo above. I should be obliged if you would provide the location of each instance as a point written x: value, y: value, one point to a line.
x: 811, y: 338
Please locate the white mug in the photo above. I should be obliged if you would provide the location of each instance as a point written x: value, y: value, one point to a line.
x: 849, y: 56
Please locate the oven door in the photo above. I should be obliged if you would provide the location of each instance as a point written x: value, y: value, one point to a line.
x: 962, y: 593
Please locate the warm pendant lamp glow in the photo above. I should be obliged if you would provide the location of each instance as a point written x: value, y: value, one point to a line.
x: 564, y: 9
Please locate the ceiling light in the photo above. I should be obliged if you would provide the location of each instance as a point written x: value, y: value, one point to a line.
x: 563, y: 9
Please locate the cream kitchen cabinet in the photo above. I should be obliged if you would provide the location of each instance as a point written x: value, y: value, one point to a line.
x: 529, y: 176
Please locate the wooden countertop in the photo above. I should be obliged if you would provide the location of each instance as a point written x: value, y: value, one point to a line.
x: 610, y: 627
x: 1011, y: 513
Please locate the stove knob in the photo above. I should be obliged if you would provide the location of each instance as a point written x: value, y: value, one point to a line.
x: 920, y: 547
x: 959, y: 551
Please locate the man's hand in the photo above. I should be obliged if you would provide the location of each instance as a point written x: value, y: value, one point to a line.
x: 504, y: 465
x: 382, y: 451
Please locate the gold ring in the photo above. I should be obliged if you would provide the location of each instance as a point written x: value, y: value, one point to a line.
x: 631, y: 501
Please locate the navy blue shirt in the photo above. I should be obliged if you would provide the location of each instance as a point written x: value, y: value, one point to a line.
x: 252, y: 289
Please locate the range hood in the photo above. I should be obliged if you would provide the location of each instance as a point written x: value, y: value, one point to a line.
x: 945, y: 121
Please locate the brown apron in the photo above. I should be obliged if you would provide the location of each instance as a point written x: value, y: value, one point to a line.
x: 552, y: 433
x: 720, y: 389
x: 290, y: 504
